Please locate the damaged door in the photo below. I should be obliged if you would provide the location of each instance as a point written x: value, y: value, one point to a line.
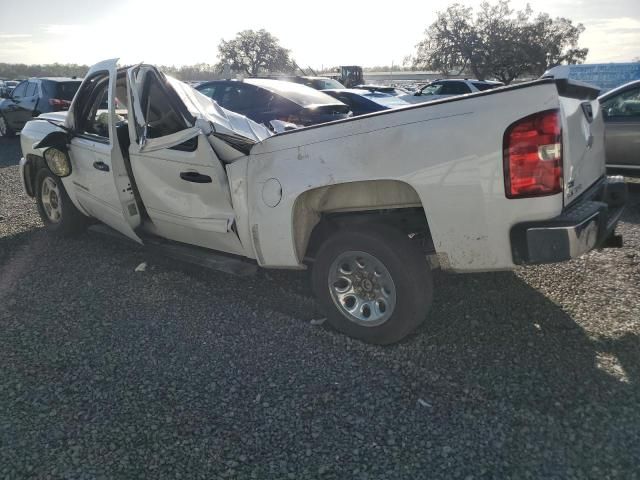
x: 181, y: 181
x: 101, y: 182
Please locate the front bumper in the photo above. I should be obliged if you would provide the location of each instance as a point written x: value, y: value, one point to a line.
x: 588, y: 223
x: 24, y: 167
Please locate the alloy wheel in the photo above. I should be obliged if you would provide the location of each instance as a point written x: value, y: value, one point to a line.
x: 51, y: 200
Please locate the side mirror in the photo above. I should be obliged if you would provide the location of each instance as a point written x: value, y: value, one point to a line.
x: 417, y: 94
x: 58, y: 161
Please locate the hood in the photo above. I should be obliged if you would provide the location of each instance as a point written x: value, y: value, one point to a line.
x: 59, y: 117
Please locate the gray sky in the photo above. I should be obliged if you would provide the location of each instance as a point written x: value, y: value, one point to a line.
x: 334, y: 33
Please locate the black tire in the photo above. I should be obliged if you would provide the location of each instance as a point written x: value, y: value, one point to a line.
x: 5, y: 129
x: 71, y: 221
x: 407, y: 267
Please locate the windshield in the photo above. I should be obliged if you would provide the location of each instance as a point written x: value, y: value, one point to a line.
x: 61, y: 90
x: 433, y: 89
x: 326, y: 83
x: 296, y: 92
x: 390, y: 101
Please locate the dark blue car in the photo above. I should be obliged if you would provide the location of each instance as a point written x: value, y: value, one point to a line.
x: 263, y: 100
x: 32, y: 97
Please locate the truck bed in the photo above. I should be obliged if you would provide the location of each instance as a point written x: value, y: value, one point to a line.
x: 449, y: 152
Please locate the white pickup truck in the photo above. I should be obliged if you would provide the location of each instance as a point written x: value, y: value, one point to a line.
x: 372, y: 204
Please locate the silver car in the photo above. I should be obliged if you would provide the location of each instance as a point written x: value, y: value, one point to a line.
x: 449, y: 88
x: 621, y: 107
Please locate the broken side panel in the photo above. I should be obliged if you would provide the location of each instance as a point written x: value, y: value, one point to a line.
x: 193, y: 109
x: 180, y: 179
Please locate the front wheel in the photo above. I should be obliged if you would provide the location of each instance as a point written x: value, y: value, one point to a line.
x: 373, y: 282
x: 58, y: 213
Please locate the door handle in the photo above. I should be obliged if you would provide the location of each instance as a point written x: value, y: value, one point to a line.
x: 195, y: 177
x: 103, y: 167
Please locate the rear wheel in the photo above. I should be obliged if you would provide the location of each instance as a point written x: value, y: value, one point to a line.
x: 373, y: 283
x: 5, y: 130
x: 58, y: 213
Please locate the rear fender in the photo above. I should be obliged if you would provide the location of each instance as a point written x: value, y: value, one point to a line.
x: 347, y: 197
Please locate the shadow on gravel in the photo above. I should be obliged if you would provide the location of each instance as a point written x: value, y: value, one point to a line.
x: 499, y: 326
x: 507, y: 352
x: 9, y: 151
x: 632, y: 212
x: 108, y: 372
x: 10, y: 245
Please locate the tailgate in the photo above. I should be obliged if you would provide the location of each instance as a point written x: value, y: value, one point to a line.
x: 582, y: 137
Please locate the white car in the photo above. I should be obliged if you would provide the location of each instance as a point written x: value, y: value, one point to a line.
x: 371, y: 204
x: 449, y: 88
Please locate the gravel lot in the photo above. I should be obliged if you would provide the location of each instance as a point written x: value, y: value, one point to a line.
x: 181, y: 373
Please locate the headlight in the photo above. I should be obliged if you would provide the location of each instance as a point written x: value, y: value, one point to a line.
x: 58, y: 162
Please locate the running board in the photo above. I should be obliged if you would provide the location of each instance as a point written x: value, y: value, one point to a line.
x: 199, y: 256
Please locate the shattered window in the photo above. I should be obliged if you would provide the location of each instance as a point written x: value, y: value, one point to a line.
x: 93, y: 120
x: 160, y: 116
x: 122, y: 99
x: 98, y: 121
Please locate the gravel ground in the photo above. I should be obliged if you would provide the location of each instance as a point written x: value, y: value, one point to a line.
x: 180, y: 373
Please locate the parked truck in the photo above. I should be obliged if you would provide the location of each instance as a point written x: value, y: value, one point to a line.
x: 371, y: 204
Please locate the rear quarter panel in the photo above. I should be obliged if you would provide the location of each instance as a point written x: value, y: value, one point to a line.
x: 450, y: 152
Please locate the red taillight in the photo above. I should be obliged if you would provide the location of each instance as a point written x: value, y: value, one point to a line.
x: 59, y: 104
x: 533, y: 156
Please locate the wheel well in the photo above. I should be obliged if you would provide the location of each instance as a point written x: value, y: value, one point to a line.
x: 411, y: 221
x: 321, y: 211
x: 31, y: 169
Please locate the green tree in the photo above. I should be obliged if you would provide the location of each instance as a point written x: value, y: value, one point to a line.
x: 20, y: 70
x: 254, y: 52
x: 497, y: 41
x: 551, y: 42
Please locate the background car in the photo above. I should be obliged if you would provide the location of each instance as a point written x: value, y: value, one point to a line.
x: 363, y: 101
x: 621, y: 108
x: 319, y: 83
x: 7, y: 86
x: 383, y: 89
x: 32, y: 97
x: 263, y: 100
x: 449, y: 88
